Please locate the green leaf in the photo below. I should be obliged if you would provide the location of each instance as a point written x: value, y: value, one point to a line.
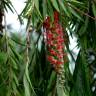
x: 27, y: 82
x: 16, y: 54
x: 9, y: 5
x: 36, y: 3
x: 55, y: 4
x: 15, y: 79
x: 52, y: 82
x: 81, y: 81
x: 14, y: 64
x: 60, y: 91
x: 3, y: 57
x: 26, y: 86
x: 27, y: 75
x: 50, y: 10
x: 44, y: 8
x: 26, y: 8
x: 75, y: 2
x: 75, y: 13
x: 84, y: 27
x: 94, y: 9
x: 64, y: 8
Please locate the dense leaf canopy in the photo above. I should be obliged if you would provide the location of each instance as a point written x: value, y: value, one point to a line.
x: 25, y: 66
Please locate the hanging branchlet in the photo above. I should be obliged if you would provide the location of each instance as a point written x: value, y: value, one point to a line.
x: 26, y: 78
x: 55, y: 45
x: 28, y: 29
x: 1, y: 20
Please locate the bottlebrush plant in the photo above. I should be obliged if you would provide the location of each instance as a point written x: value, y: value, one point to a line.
x: 54, y: 41
x: 24, y: 70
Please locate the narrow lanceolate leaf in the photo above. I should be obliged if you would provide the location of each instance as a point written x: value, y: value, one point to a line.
x: 36, y: 3
x: 75, y: 2
x: 94, y: 9
x: 16, y: 54
x: 26, y: 8
x: 50, y: 10
x: 26, y: 86
x: 74, y: 13
x: 84, y: 27
x: 60, y: 91
x: 27, y: 83
x: 9, y: 5
x: 3, y: 57
x: 64, y: 8
x: 81, y: 81
x: 27, y: 75
x: 44, y: 8
x: 52, y: 81
x: 55, y: 4
x: 15, y: 79
x: 13, y: 63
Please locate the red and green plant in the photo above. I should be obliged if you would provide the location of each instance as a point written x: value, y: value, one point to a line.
x: 39, y: 65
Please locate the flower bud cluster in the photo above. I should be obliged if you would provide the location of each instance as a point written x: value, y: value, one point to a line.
x: 54, y: 41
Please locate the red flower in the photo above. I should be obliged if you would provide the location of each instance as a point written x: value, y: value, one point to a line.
x: 56, y: 16
x: 49, y: 35
x: 59, y: 63
x: 51, y: 59
x: 46, y: 24
x: 60, y: 56
x: 52, y: 52
x: 59, y: 47
x: 54, y: 41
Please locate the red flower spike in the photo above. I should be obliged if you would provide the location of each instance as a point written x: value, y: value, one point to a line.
x: 55, y: 42
x: 46, y: 24
x: 59, y: 62
x: 56, y: 16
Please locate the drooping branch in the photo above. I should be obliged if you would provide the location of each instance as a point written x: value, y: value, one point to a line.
x: 1, y: 19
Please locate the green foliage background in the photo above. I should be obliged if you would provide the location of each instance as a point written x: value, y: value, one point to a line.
x: 23, y: 67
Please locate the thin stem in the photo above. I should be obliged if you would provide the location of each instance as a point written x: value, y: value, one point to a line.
x: 8, y: 54
x: 84, y: 13
x: 27, y: 45
x: 5, y: 32
x: 28, y: 40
